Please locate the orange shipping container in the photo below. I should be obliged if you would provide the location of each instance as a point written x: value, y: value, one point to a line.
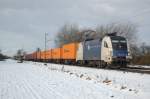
x: 43, y: 55
x: 38, y: 55
x: 69, y: 51
x: 28, y: 56
x: 48, y: 54
x: 56, y: 53
x: 34, y: 55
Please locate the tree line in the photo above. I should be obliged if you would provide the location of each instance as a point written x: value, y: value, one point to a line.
x: 2, y: 56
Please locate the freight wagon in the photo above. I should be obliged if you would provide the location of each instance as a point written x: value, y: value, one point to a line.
x: 28, y: 57
x: 43, y: 55
x: 48, y: 54
x: 57, y: 55
x: 69, y: 53
x: 38, y: 56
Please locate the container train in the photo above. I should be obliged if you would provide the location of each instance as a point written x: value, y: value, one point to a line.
x: 110, y: 51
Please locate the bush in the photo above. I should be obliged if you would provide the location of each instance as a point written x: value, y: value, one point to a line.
x: 2, y: 57
x: 142, y: 60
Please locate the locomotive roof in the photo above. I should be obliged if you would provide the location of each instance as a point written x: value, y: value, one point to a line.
x: 117, y: 38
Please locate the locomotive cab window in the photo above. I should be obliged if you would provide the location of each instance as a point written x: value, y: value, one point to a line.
x: 105, y: 44
x: 119, y: 43
x: 123, y: 41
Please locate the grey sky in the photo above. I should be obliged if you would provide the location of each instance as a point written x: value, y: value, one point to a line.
x: 24, y: 22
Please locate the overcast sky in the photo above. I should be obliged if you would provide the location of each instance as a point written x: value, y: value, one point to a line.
x: 24, y: 22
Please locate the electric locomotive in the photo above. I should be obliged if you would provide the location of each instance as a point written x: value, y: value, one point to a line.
x: 110, y: 51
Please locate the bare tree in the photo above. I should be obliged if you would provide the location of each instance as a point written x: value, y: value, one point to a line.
x: 2, y: 56
x: 19, y: 55
x: 20, y: 52
x: 145, y: 49
x: 68, y: 33
x: 127, y: 30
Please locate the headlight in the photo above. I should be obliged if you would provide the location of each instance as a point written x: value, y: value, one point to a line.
x: 128, y: 57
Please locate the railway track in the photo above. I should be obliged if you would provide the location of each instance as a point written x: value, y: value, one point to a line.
x: 136, y: 70
x: 125, y: 69
x: 129, y: 69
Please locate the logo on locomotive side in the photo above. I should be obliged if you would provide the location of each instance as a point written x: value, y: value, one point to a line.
x: 95, y: 46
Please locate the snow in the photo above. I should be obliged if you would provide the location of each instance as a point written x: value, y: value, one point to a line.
x: 32, y: 80
x: 140, y: 66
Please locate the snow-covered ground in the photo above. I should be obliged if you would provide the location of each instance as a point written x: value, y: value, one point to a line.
x: 30, y: 80
x: 140, y: 66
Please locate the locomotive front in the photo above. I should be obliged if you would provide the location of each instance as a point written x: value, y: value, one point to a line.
x: 115, y: 50
x: 120, y: 50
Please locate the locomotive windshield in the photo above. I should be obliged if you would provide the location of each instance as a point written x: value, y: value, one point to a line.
x: 119, y: 43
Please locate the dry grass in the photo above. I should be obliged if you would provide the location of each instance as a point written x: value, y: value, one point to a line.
x: 142, y: 60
